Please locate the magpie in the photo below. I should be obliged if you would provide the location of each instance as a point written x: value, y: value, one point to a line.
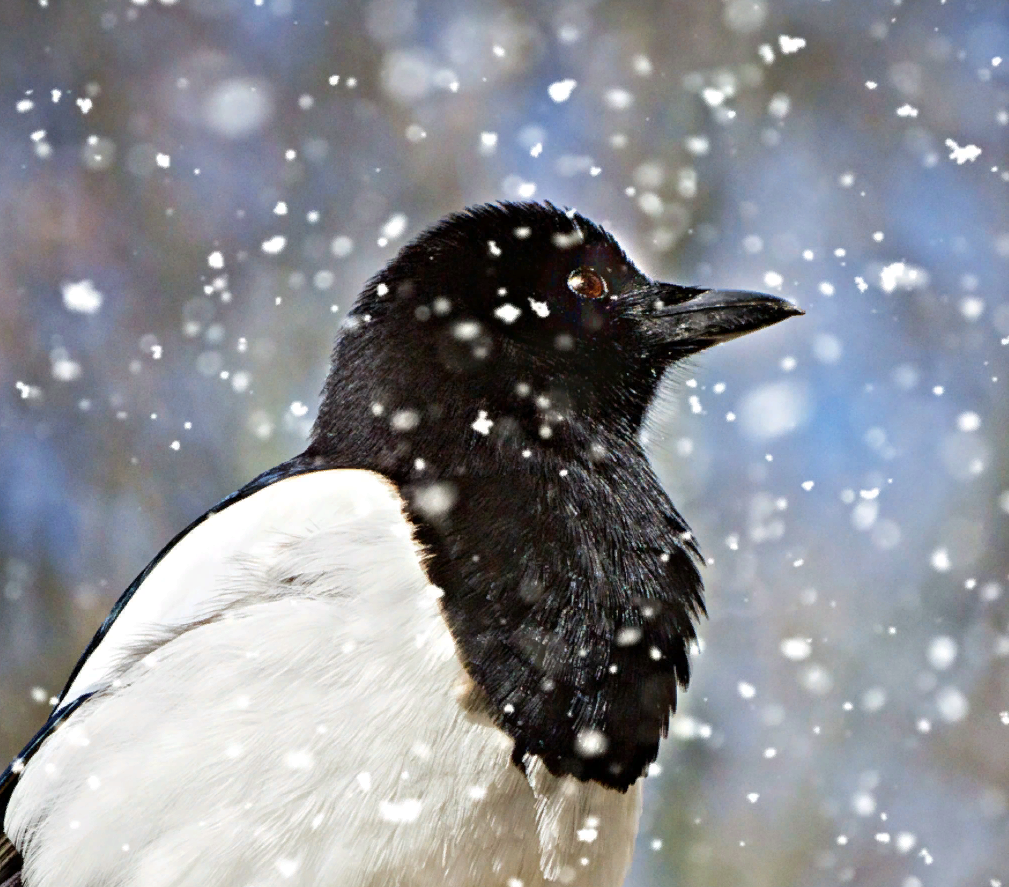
x: 438, y: 647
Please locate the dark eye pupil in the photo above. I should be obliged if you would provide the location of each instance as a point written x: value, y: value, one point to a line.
x: 586, y: 283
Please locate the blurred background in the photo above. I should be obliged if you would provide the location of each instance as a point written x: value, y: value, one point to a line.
x: 193, y: 191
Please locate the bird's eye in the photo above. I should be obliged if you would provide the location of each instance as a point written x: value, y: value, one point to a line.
x: 585, y: 282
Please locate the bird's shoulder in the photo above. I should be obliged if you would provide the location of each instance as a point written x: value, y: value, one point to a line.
x: 260, y: 542
x: 299, y: 529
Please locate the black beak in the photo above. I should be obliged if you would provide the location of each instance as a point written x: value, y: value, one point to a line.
x: 684, y: 320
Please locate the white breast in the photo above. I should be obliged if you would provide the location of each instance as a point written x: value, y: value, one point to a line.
x: 280, y: 704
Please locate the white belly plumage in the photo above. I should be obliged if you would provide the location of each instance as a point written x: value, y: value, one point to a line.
x: 281, y: 706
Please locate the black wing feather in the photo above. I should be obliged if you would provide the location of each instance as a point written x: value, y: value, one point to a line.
x: 10, y: 864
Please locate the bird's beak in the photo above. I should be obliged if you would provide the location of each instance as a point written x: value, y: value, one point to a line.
x: 684, y: 320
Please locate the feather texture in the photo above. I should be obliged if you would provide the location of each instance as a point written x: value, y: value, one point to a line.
x: 282, y: 703
x: 10, y: 863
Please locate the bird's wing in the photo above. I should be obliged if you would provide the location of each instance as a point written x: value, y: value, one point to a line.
x: 275, y: 574
x: 177, y: 593
x: 158, y: 598
x: 10, y: 863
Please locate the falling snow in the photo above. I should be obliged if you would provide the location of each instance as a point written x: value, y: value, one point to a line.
x: 962, y: 154
x: 790, y: 45
x: 560, y: 91
x: 81, y: 297
x: 540, y: 309
x: 407, y: 810
x: 795, y: 649
x: 482, y: 425
x: 395, y: 226
x: 275, y: 245
x: 507, y: 313
x: 900, y: 275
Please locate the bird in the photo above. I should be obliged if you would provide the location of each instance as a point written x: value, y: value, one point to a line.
x: 440, y: 646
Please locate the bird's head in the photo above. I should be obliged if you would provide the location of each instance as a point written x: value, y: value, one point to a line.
x: 524, y: 320
x: 498, y: 371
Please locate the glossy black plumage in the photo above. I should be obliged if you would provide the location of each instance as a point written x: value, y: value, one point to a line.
x: 507, y: 407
